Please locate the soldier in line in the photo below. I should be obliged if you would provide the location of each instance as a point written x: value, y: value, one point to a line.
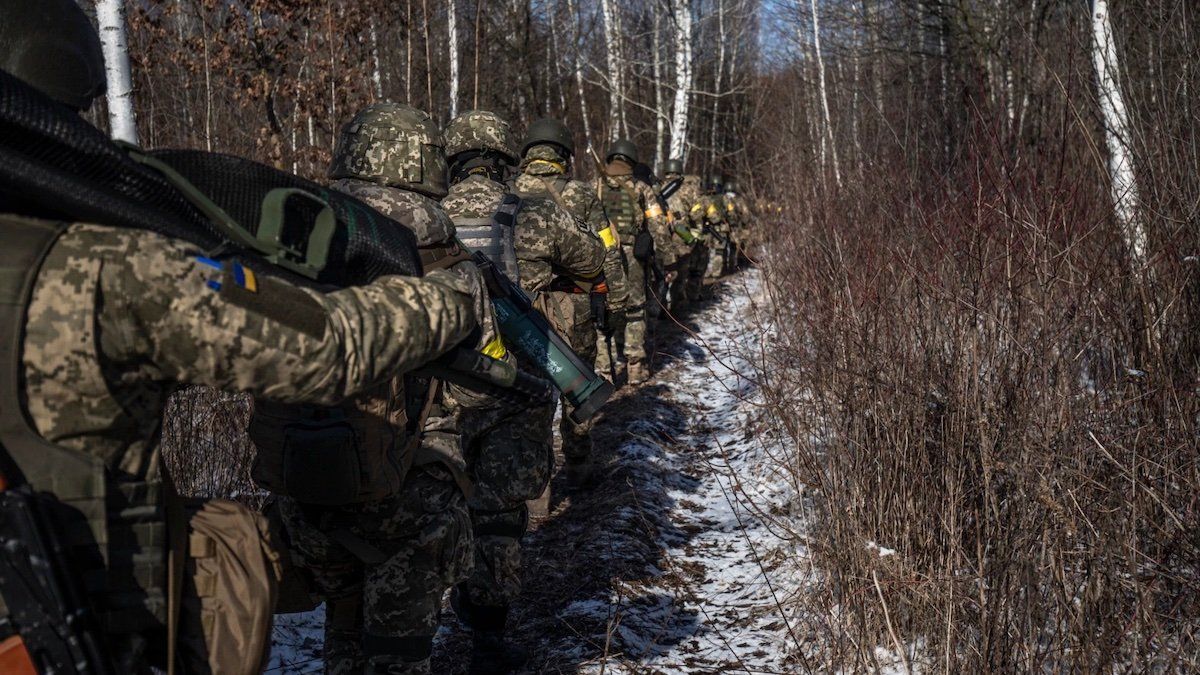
x: 383, y: 556
x: 114, y: 319
x: 679, y: 207
x: 510, y: 452
x: 716, y: 222
x: 545, y: 162
x: 632, y: 207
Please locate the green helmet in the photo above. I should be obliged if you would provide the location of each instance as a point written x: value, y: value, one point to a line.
x: 51, y: 46
x: 480, y: 130
x: 551, y: 131
x: 674, y: 166
x: 624, y: 148
x: 714, y: 182
x: 394, y: 145
x: 731, y: 186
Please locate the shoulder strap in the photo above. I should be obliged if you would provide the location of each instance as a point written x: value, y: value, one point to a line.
x: 555, y: 192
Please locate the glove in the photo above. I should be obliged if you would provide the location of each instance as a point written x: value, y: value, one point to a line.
x: 599, y: 306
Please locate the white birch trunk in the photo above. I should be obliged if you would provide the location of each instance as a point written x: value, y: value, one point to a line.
x: 110, y: 15
x: 615, y: 96
x: 452, y: 30
x: 376, y: 70
x: 1117, y: 134
x: 583, y: 109
x: 660, y: 121
x: 682, y: 9
x: 837, y: 171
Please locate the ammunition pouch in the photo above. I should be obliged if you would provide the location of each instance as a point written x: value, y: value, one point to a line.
x: 336, y: 456
x: 643, y: 246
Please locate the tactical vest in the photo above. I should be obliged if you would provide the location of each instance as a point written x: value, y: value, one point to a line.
x: 494, y: 236
x: 115, y: 531
x: 621, y: 208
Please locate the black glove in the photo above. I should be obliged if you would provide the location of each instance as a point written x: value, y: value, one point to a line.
x: 599, y: 305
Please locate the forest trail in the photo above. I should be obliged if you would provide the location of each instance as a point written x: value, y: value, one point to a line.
x: 684, y: 559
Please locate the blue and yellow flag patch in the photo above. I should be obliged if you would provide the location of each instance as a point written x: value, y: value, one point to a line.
x: 241, y: 276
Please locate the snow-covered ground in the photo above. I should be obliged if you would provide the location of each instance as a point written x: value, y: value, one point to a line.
x: 689, y: 557
x: 723, y: 597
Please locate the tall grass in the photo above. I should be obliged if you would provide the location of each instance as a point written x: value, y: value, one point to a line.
x: 976, y: 378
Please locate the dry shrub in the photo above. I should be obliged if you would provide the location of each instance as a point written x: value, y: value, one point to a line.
x: 974, y: 377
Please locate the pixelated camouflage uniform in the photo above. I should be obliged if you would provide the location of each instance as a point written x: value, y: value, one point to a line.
x: 679, y: 207
x: 542, y: 174
x: 712, y: 214
x: 119, y: 317
x: 509, y: 452
x: 620, y: 191
x: 382, y: 613
x: 383, y: 564
x: 698, y: 264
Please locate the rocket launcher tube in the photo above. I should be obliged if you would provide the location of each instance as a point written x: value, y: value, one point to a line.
x: 530, y: 334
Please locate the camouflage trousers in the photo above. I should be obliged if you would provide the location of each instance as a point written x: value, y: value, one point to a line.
x: 697, y: 267
x: 579, y: 327
x: 716, y: 266
x: 509, y: 461
x: 632, y: 341
x: 678, y: 288
x: 383, y: 600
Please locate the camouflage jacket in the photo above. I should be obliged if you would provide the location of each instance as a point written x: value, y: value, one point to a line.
x: 546, y: 178
x: 679, y: 209
x: 647, y: 213
x: 549, y: 242
x: 119, y: 317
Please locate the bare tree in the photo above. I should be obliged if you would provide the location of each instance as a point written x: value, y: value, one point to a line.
x: 110, y: 14
x: 682, y: 13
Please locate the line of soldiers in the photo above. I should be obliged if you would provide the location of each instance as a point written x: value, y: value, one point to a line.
x: 392, y: 486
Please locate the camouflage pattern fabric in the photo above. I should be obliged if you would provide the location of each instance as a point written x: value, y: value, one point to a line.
x: 118, y: 317
x: 479, y: 130
x: 716, y: 217
x: 394, y: 145
x: 509, y: 452
x: 679, y: 206
x: 381, y: 617
x: 543, y: 173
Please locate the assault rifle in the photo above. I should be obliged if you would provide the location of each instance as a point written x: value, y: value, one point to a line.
x: 49, y: 626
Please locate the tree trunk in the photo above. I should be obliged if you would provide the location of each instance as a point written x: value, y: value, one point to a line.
x: 583, y: 109
x: 376, y: 71
x: 682, y: 10
x: 660, y: 115
x: 816, y: 26
x: 452, y: 33
x: 1117, y: 134
x: 110, y: 15
x: 611, y: 45
x: 716, y: 106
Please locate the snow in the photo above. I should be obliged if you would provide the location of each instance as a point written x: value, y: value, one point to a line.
x: 732, y: 530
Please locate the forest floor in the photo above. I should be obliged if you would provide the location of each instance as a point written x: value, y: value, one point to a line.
x: 685, y: 558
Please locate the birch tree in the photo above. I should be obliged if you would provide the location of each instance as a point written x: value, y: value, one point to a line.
x: 828, y: 122
x: 616, y: 96
x: 1123, y: 183
x: 110, y: 15
x: 682, y: 12
x: 452, y: 30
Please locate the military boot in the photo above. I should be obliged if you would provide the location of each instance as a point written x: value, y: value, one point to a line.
x: 638, y: 373
x: 580, y: 474
x: 491, y: 654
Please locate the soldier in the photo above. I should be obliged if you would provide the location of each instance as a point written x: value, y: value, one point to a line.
x: 716, y: 223
x: 546, y: 156
x: 679, y: 207
x: 736, y: 215
x: 383, y: 557
x: 102, y: 323
x: 701, y: 253
x: 633, y: 208
x: 508, y: 454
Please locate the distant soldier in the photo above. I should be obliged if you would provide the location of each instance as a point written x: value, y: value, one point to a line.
x: 716, y: 225
x: 633, y: 208
x: 735, y: 211
x: 383, y: 540
x: 509, y: 453
x: 701, y: 252
x: 102, y: 323
x: 683, y: 240
x: 546, y: 156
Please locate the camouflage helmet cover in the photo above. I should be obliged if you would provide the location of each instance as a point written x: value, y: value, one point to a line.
x: 673, y: 166
x: 480, y: 130
x: 548, y: 130
x: 395, y: 145
x: 51, y: 46
x: 623, y: 147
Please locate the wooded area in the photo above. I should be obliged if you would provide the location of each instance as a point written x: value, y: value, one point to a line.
x: 984, y: 222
